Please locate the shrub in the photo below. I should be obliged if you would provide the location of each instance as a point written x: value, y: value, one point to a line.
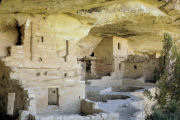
x: 168, y: 81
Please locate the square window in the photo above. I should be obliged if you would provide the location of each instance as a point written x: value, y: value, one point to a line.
x: 40, y: 39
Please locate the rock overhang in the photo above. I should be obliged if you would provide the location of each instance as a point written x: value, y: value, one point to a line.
x: 142, y: 22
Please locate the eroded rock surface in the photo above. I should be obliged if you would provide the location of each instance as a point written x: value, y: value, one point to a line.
x: 49, y: 47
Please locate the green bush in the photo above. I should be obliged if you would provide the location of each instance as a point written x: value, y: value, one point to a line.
x: 168, y: 81
x: 172, y: 107
x: 156, y: 75
x: 159, y: 115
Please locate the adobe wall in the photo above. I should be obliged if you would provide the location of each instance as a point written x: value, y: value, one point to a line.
x: 101, y: 69
x: 133, y: 69
x: 46, y: 59
x: 140, y: 69
x: 121, y: 50
x: 104, y: 52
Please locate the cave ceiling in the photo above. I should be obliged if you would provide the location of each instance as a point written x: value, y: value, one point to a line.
x: 142, y: 22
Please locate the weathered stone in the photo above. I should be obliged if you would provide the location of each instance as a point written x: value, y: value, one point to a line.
x: 10, y: 106
x: 23, y: 115
x: 49, y: 47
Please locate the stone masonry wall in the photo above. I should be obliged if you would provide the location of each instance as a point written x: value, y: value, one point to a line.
x: 104, y: 53
x: 39, y: 64
x: 142, y: 69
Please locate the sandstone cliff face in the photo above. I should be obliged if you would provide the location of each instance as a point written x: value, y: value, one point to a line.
x: 42, y: 40
x: 143, y: 22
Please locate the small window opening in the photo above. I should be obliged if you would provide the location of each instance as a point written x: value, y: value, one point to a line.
x: 108, y: 74
x: 65, y: 74
x: 67, y: 47
x: 9, y: 51
x: 92, y: 55
x: 88, y: 66
x: 119, y: 46
x: 38, y: 74
x: 40, y: 39
x: 19, y: 30
x: 40, y: 59
x: 135, y: 67
x: 3, y: 77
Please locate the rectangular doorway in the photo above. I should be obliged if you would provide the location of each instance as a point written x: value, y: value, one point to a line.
x: 53, y: 96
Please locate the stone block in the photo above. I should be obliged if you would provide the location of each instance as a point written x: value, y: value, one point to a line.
x: 23, y: 115
x: 113, y: 116
x: 10, y: 106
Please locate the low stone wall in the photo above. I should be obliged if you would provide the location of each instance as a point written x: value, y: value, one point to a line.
x: 102, y: 116
x: 140, y: 106
x: 140, y: 114
x: 105, y: 82
x: 140, y: 102
x: 89, y: 107
x: 146, y: 102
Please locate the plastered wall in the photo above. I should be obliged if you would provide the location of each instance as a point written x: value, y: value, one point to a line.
x: 121, y: 47
x: 42, y: 62
x: 121, y: 51
x: 103, y: 52
x: 140, y: 69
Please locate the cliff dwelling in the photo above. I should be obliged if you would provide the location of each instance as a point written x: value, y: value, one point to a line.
x: 82, y: 59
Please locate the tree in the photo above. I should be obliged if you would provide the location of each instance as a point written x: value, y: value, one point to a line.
x: 168, y: 81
